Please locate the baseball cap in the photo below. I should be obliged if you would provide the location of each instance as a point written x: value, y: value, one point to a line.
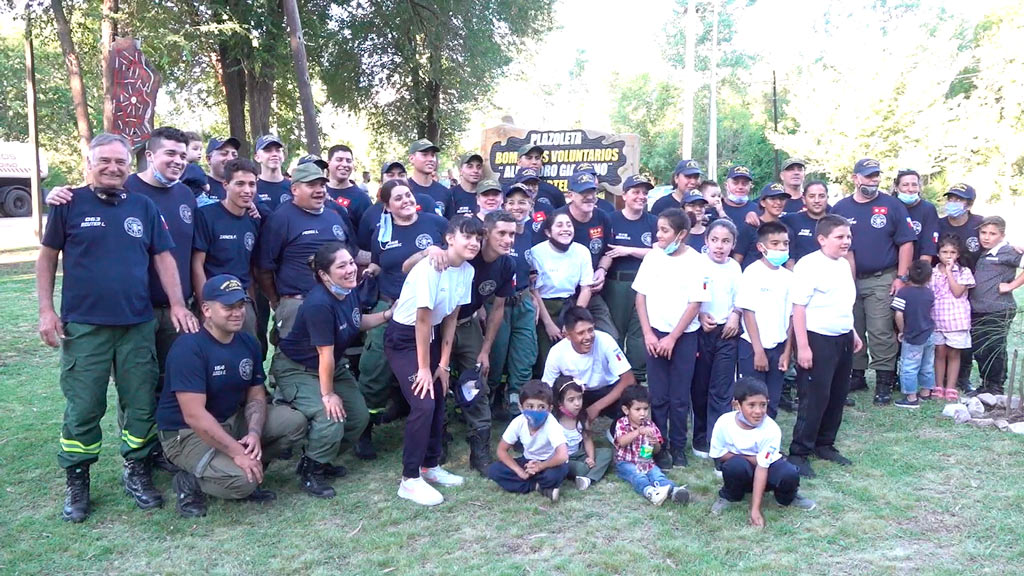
x: 582, y: 182
x: 422, y: 145
x: 686, y: 168
x: 527, y: 148
x: 314, y: 159
x: 694, y: 196
x: 224, y: 288
x: 469, y: 156
x: 389, y: 165
x: 965, y: 191
x: 637, y: 180
x: 739, y: 171
x: 266, y: 140
x: 467, y: 387
x: 518, y: 188
x: 773, y: 189
x: 586, y: 167
x: 525, y: 175
x: 867, y: 167
x: 488, y: 186
x: 308, y: 172
x: 216, y: 144
x: 791, y: 161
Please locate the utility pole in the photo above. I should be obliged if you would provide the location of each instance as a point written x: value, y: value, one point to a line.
x: 33, y: 131
x: 298, y: 44
x: 689, y: 79
x: 713, y: 105
x: 775, y: 119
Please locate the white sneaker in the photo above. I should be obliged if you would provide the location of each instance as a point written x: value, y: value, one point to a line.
x: 582, y: 482
x: 657, y: 494
x: 420, y: 492
x: 438, y: 475
x: 700, y: 453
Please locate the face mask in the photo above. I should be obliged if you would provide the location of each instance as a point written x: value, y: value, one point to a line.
x: 163, y: 180
x: 735, y: 199
x: 535, y: 418
x: 673, y: 247
x: 955, y: 209
x: 777, y: 257
x: 384, y: 233
x: 338, y: 291
x: 560, y: 246
x: 908, y: 199
x: 110, y: 195
x: 869, y: 192
x: 739, y: 416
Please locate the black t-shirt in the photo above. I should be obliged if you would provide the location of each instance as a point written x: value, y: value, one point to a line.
x: 273, y: 194
x: 367, y: 230
x: 916, y: 304
x: 354, y: 199
x: 442, y: 197
x: 639, y: 233
x: 464, y: 203
x: 593, y: 235
x: 803, y: 238
x: 107, y: 251
x: 605, y: 206
x: 497, y: 278
x: 664, y: 203
x: 925, y: 220
x: 968, y: 234
x: 227, y: 240
x: 288, y: 238
x: 322, y: 320
x: 177, y: 206
x: 202, y: 364
x: 879, y: 228
x: 428, y: 230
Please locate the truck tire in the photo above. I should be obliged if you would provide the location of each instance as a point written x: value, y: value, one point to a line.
x: 17, y: 202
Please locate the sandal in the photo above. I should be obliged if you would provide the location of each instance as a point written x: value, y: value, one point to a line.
x: 932, y: 394
x: 952, y: 395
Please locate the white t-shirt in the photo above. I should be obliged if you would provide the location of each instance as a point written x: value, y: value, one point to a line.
x: 573, y: 438
x: 764, y: 441
x: 601, y: 367
x: 765, y: 292
x: 825, y: 286
x: 670, y: 283
x: 442, y: 292
x: 538, y: 446
x: 723, y: 283
x: 559, y: 273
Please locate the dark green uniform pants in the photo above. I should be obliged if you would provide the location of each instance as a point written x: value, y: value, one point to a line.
x: 515, y: 346
x: 873, y: 318
x: 578, y: 463
x: 544, y: 344
x: 88, y: 353
x: 621, y: 299
x: 469, y: 339
x: 375, y: 376
x: 300, y: 387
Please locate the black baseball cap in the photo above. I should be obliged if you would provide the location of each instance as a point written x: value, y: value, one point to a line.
x: 224, y: 288
x: 216, y: 144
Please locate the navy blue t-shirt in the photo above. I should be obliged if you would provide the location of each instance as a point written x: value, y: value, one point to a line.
x: 916, y: 304
x: 664, y: 203
x: 227, y: 240
x: 354, y: 199
x: 605, y: 206
x: 968, y: 234
x: 738, y: 215
x: 107, y: 252
x: 521, y: 253
x: 593, y: 235
x: 202, y: 364
x: 216, y: 192
x: 322, y: 320
x: 194, y: 178
x: 925, y: 220
x: 639, y: 233
x: 288, y: 238
x: 366, y: 233
x: 273, y: 194
x: 879, y: 227
x: 746, y: 244
x: 549, y: 196
x: 496, y: 279
x: 536, y: 224
x: 428, y: 230
x: 793, y: 205
x: 464, y: 203
x: 177, y: 205
x: 803, y: 238
x: 442, y: 197
x: 697, y: 242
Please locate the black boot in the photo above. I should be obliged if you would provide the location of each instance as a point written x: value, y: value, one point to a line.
x: 446, y: 439
x: 330, y: 470
x: 858, y: 381
x: 480, y: 450
x: 313, y: 479
x: 76, y: 495
x: 883, y: 387
x: 191, y: 502
x: 138, y: 483
x: 364, y: 447
x: 159, y: 460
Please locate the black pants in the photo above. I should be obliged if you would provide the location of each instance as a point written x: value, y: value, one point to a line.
x: 713, y: 379
x: 423, y: 428
x: 822, y: 391
x: 262, y: 321
x: 738, y: 480
x: 989, y: 332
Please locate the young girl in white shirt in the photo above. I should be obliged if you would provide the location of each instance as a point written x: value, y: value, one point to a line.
x: 587, y: 464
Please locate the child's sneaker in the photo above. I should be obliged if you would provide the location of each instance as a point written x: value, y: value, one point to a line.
x: 438, y: 475
x: 551, y: 493
x: 907, y: 403
x: 680, y: 495
x: 801, y: 503
x: 719, y: 506
x: 582, y: 482
x: 418, y: 491
x: 656, y: 494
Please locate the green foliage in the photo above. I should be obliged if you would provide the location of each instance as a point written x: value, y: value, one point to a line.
x: 647, y: 108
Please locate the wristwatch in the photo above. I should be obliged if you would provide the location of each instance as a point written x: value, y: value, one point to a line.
x: 903, y: 278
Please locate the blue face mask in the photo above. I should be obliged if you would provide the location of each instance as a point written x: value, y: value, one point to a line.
x: 673, y: 247
x: 777, y: 257
x: 908, y: 199
x: 384, y: 234
x: 163, y: 180
x: 955, y: 209
x: 735, y: 199
x: 739, y: 416
x: 535, y: 418
x: 338, y: 291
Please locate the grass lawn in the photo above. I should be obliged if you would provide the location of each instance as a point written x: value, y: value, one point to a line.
x: 925, y: 496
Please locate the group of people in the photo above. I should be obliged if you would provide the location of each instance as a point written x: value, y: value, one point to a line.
x: 489, y: 302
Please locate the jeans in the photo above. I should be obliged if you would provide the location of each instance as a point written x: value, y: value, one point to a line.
x: 917, y: 367
x: 642, y: 481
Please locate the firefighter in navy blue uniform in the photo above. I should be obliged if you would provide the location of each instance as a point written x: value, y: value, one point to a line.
x: 801, y: 224
x: 423, y: 159
x: 771, y: 201
x: 923, y: 215
x: 530, y: 181
x: 272, y: 188
x: 372, y: 217
x: 341, y: 187
x: 603, y: 204
x: 471, y: 170
x: 218, y: 152
x: 696, y: 207
x: 632, y: 231
x: 882, y: 249
x: 736, y: 202
x: 592, y: 231
x: 685, y: 179
x: 547, y: 196
x: 109, y: 239
x: 792, y: 179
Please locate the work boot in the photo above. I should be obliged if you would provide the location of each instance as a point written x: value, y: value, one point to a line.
x: 159, y: 460
x: 664, y: 460
x: 138, y: 483
x: 191, y: 502
x: 313, y: 479
x: 76, y: 495
x: 883, y: 387
x: 330, y: 470
x: 858, y: 381
x: 480, y: 449
x: 364, y: 447
x: 261, y: 495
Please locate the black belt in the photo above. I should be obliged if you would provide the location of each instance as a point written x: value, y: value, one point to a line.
x: 625, y: 276
x: 877, y: 274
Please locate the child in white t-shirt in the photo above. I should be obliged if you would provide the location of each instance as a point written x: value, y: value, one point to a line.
x: 587, y: 464
x: 544, y: 463
x: 746, y: 445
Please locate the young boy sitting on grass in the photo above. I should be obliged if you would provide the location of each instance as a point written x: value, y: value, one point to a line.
x: 745, y: 444
x: 544, y: 463
x: 637, y: 439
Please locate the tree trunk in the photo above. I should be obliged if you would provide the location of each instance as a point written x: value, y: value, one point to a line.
x: 67, y: 46
x: 259, y: 84
x: 689, y: 79
x: 298, y: 44
x: 108, y: 33
x: 232, y: 79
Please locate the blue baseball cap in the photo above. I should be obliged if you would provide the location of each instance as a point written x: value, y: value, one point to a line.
x: 216, y: 144
x: 965, y: 191
x: 867, y: 167
x: 224, y: 288
x: 266, y: 140
x: 314, y: 159
x: 525, y: 175
x: 773, y: 189
x: 694, y: 196
x: 582, y: 182
x: 585, y: 167
x: 686, y: 168
x: 637, y: 180
x: 739, y: 171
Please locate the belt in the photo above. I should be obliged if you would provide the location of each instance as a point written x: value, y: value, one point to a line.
x: 293, y: 297
x: 877, y: 274
x: 516, y: 298
x: 626, y: 276
x: 464, y: 321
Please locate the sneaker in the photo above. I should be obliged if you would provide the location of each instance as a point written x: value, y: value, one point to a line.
x: 718, y: 473
x: 418, y: 491
x: 801, y: 503
x: 849, y: 402
x: 802, y: 465
x: 664, y: 460
x: 582, y: 482
x: 657, y: 494
x: 438, y: 475
x: 680, y: 495
x: 699, y: 453
x: 906, y: 403
x: 832, y: 455
x: 551, y: 493
x: 679, y: 459
x: 719, y: 506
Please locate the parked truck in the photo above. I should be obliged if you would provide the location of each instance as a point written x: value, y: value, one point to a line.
x: 15, y: 178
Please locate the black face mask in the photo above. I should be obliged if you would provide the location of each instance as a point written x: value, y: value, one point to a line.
x: 560, y: 246
x: 110, y: 195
